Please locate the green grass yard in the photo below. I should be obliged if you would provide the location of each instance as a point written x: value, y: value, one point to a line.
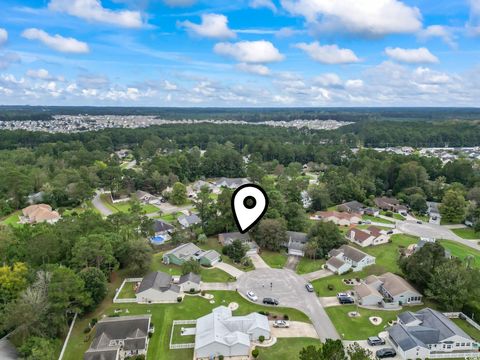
x: 377, y: 219
x: 461, y: 251
x: 126, y: 205
x: 178, y: 338
x: 469, y: 329
x: 286, y: 348
x: 170, y: 218
x: 396, y: 216
x: 12, y: 219
x: 306, y: 265
x: 274, y: 259
x: 128, y: 291
x: 467, y: 233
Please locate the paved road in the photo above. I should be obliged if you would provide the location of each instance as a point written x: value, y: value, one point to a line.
x: 289, y: 289
x: 292, y: 262
x: 7, y: 350
x: 100, y: 206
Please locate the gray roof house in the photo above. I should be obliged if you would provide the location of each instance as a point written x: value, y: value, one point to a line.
x: 189, y: 251
x: 428, y: 332
x: 231, y: 183
x: 161, y: 227
x: 189, y: 220
x: 119, y: 337
x: 296, y: 244
x: 221, y: 333
x: 347, y: 257
x: 228, y: 238
x: 157, y: 287
x: 351, y: 207
x: 190, y: 281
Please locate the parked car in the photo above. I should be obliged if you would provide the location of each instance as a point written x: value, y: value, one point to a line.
x: 281, y: 324
x: 270, y: 301
x: 309, y: 287
x: 419, y: 222
x: 367, y: 222
x: 375, y: 341
x: 346, y: 300
x: 342, y: 295
x: 386, y: 353
x: 251, y: 295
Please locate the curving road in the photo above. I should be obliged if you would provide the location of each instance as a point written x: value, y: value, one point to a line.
x: 100, y: 206
x: 289, y: 289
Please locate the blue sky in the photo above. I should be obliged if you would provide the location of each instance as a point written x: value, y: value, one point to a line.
x: 240, y: 53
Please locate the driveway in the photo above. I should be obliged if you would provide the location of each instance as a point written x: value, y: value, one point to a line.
x: 317, y: 275
x: 7, y: 350
x: 292, y: 262
x: 329, y: 301
x: 229, y: 269
x: 289, y: 289
x: 100, y: 206
x: 258, y: 262
x: 296, y: 329
x: 231, y: 286
x: 373, y: 349
x: 167, y: 208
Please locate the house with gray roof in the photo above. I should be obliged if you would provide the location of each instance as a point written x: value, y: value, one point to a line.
x: 157, y: 287
x: 429, y: 334
x: 351, y: 207
x: 221, y: 333
x: 119, y: 337
x: 189, y: 251
x: 297, y: 241
x: 347, y: 257
x: 190, y: 281
x: 231, y: 183
x: 189, y: 220
x: 227, y: 238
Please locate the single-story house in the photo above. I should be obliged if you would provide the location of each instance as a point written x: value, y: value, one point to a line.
x: 145, y: 197
x: 161, y: 227
x: 188, y: 251
x: 296, y: 243
x: 371, y: 211
x: 228, y: 238
x: 38, y: 213
x: 189, y: 281
x: 347, y: 257
x: 119, y: 337
x: 221, y: 333
x: 339, y: 218
x: 188, y: 220
x: 351, y: 207
x: 368, y: 237
x: 157, y: 287
x: 427, y: 332
x: 35, y: 198
x: 390, y: 204
x: 231, y: 183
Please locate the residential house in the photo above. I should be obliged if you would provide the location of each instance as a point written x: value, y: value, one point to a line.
x: 371, y: 236
x: 388, y: 290
x: 351, y: 207
x: 189, y: 220
x: 296, y: 243
x: 371, y: 211
x: 189, y: 251
x: 429, y: 334
x: 222, y: 334
x: 339, y: 218
x: 190, y: 281
x: 390, y: 204
x: 117, y: 338
x: 412, y: 249
x: 347, y: 257
x: 38, y: 213
x: 162, y: 228
x: 231, y: 183
x: 157, y: 287
x: 145, y: 197
x: 228, y: 238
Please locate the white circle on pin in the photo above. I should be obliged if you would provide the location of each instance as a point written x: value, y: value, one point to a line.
x: 249, y: 204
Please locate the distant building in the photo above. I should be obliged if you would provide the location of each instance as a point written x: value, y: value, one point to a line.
x: 347, y: 257
x: 339, y: 218
x: 297, y: 241
x: 351, y: 207
x: 228, y: 238
x: 371, y: 236
x: 39, y: 213
x: 189, y: 220
x: 189, y: 281
x: 390, y: 204
x: 231, y: 183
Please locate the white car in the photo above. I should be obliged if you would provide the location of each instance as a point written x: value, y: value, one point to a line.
x: 281, y: 324
x: 251, y: 295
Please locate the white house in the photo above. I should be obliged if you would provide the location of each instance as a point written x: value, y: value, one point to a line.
x: 347, y: 257
x: 189, y: 281
x: 339, y: 218
x: 427, y: 332
x: 220, y: 333
x: 157, y: 287
x: 371, y: 236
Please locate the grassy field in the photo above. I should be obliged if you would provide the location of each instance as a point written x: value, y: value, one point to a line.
x: 461, y: 251
x: 286, y: 348
x: 170, y: 218
x: 125, y: 206
x: 386, y: 260
x: 376, y: 219
x: 12, y: 219
x: 128, y: 291
x: 396, y: 216
x: 469, y: 329
x: 467, y: 233
x: 178, y: 338
x: 306, y: 265
x: 163, y: 315
x: 274, y: 259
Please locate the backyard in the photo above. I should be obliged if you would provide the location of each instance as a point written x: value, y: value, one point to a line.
x: 469, y: 329
x: 467, y: 233
x: 377, y: 219
x: 286, y: 348
x: 213, y: 244
x: 306, y: 265
x: 12, y: 219
x: 462, y: 251
x: 126, y: 205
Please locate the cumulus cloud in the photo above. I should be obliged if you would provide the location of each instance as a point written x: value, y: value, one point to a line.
x: 473, y: 24
x: 438, y: 31
x: 3, y: 36
x: 180, y: 3
x: 328, y: 80
x: 256, y: 4
x: 8, y: 59
x: 260, y: 51
x: 212, y: 26
x: 363, y: 17
x: 256, y: 69
x: 92, y: 10
x: 328, y: 54
x: 56, y: 42
x: 412, y: 56
x: 39, y: 74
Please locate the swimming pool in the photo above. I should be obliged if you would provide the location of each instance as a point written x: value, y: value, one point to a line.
x: 157, y: 240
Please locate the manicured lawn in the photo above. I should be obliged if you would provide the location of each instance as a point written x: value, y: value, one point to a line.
x: 128, y: 291
x: 286, y: 348
x: 461, y: 251
x: 360, y: 328
x: 467, y: 233
x: 213, y: 244
x: 178, y: 338
x: 12, y: 219
x: 170, y: 218
x: 396, y: 216
x: 274, y: 259
x: 125, y: 206
x: 376, y: 219
x: 469, y: 329
x: 306, y: 265
x: 163, y: 315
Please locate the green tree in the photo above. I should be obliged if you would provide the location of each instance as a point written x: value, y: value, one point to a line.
x: 235, y: 251
x: 95, y: 283
x: 13, y: 279
x: 418, y: 203
x: 179, y: 194
x: 326, y: 236
x: 356, y: 352
x: 320, y: 197
x: 94, y: 250
x: 191, y: 266
x: 270, y: 234
x: 310, y: 353
x: 453, y: 207
x: 38, y: 348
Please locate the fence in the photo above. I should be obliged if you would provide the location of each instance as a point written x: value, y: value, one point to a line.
x: 64, y: 347
x: 181, y: 346
x: 456, y: 315
x: 116, y: 300
x: 470, y: 355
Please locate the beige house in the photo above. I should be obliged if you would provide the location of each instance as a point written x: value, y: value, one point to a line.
x: 339, y: 218
x: 347, y: 257
x: 371, y: 236
x: 39, y: 213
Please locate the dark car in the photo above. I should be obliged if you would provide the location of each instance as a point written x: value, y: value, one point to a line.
x: 375, y: 341
x: 309, y: 287
x: 386, y: 353
x: 419, y: 222
x: 389, y: 232
x: 270, y: 301
x: 345, y: 300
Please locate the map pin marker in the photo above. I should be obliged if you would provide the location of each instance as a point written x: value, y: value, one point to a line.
x: 249, y: 204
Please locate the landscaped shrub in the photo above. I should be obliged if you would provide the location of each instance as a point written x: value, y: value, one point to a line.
x: 285, y: 317
x: 389, y: 214
x: 93, y: 322
x: 274, y: 316
x: 330, y: 287
x: 220, y: 357
x: 179, y: 299
x: 192, y: 290
x: 255, y: 353
x: 87, y: 329
x: 203, y: 293
x: 261, y: 338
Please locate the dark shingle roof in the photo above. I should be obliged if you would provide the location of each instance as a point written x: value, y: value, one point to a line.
x: 110, y: 354
x: 159, y: 226
x: 155, y: 280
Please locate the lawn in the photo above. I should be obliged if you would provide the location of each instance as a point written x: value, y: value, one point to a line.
x: 274, y: 259
x: 469, y: 329
x: 461, y: 251
x: 467, y: 233
x: 306, y: 265
x: 128, y: 291
x: 396, y: 216
x: 213, y: 244
x: 286, y: 348
x: 361, y: 328
x: 178, y: 338
x: 376, y: 219
x: 12, y: 219
x: 170, y: 218
x: 125, y: 205
x: 163, y: 315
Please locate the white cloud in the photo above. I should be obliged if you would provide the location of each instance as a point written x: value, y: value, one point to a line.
x: 354, y: 84
x: 38, y: 74
x: 260, y: 51
x: 328, y: 80
x: 212, y: 26
x: 180, y: 3
x: 3, y: 36
x: 257, y: 69
x: 473, y: 24
x: 8, y: 59
x: 364, y: 17
x: 443, y: 32
x: 328, y: 54
x: 92, y: 10
x: 256, y: 4
x: 56, y: 42
x: 169, y: 86
x: 412, y: 56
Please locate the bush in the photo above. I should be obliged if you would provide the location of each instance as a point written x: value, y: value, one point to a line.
x: 330, y: 287
x: 255, y: 353
x: 203, y: 292
x: 220, y: 357
x: 192, y: 290
x: 87, y: 329
x: 179, y: 299
x: 389, y: 214
x: 285, y: 317
x: 93, y: 322
x: 274, y: 316
x: 261, y: 338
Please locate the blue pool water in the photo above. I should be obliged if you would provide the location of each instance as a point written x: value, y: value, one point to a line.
x: 157, y: 240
